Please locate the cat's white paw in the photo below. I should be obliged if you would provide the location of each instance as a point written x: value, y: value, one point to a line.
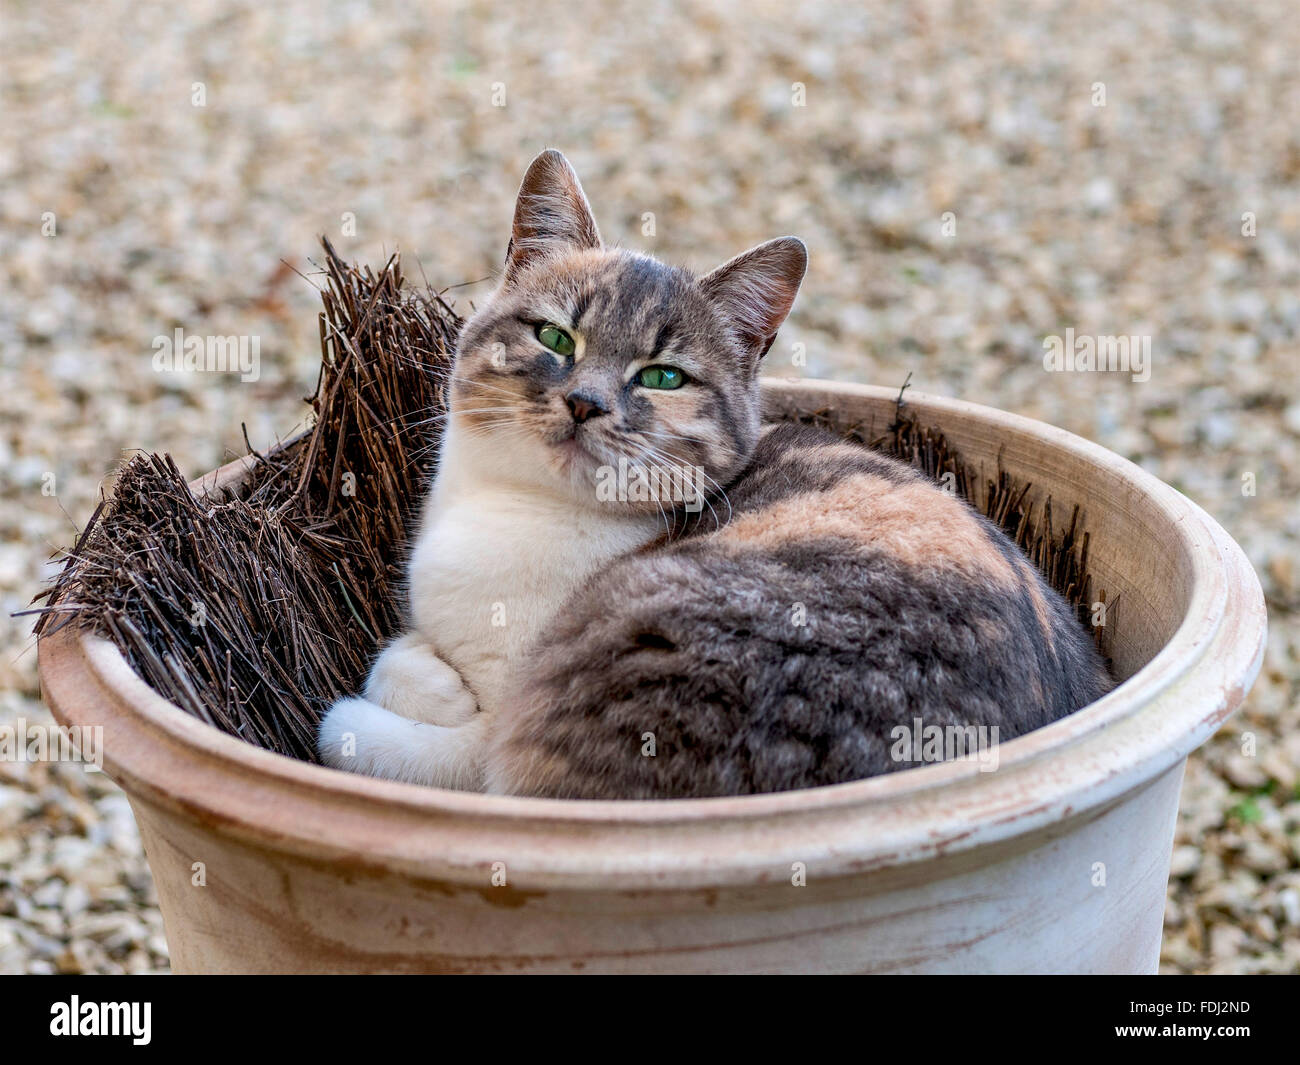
x: 410, y: 680
x: 338, y: 734
x: 362, y: 737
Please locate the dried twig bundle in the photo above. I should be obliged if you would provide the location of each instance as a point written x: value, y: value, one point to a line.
x: 255, y: 611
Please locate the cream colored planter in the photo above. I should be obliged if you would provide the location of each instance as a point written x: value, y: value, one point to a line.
x: 935, y: 869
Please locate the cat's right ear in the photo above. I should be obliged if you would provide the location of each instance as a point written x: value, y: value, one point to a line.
x: 551, y: 214
x: 756, y: 290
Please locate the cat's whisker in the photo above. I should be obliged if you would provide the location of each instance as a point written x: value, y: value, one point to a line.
x: 680, y: 464
x: 434, y: 419
x: 487, y: 386
x: 657, y: 433
x: 437, y: 418
x: 671, y: 462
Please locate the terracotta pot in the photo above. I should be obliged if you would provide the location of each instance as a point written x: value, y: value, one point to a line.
x: 936, y: 869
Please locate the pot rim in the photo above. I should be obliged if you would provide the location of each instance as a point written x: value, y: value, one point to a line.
x: 1076, y: 767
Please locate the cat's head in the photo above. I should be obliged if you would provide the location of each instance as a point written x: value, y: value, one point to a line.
x: 586, y: 355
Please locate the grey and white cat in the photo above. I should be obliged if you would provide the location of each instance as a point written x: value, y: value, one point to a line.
x: 565, y: 643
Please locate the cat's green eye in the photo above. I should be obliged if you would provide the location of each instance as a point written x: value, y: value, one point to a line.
x: 555, y: 338
x: 660, y: 377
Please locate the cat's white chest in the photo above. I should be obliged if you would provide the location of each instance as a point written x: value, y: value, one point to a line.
x: 494, y: 564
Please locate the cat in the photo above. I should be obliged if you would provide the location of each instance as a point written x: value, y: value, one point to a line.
x: 765, y: 620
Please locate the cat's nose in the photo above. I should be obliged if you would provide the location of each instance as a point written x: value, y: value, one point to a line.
x: 583, y: 405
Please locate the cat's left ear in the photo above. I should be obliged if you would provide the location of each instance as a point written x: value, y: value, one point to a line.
x: 551, y: 214
x: 756, y: 290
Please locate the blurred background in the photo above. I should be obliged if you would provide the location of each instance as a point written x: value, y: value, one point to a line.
x: 969, y: 177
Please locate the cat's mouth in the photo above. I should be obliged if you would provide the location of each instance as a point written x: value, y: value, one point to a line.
x: 573, y: 448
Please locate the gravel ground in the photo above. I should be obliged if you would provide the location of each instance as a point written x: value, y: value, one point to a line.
x: 183, y: 152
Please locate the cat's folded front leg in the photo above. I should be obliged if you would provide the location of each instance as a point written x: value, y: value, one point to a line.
x: 410, y: 679
x: 360, y: 736
x: 415, y: 721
